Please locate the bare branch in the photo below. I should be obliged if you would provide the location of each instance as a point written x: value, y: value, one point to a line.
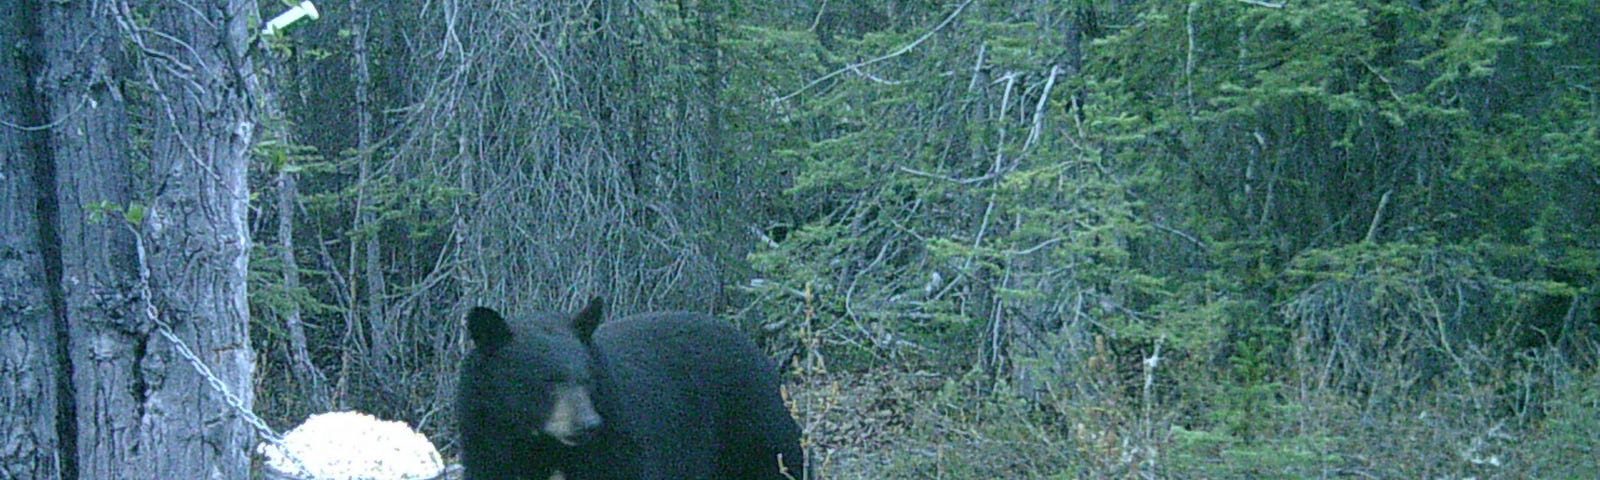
x: 1384, y: 79
x: 961, y: 181
x: 818, y: 19
x: 1038, y: 109
x: 977, y: 67
x: 874, y: 78
x: 1180, y: 234
x: 1377, y: 217
x: 1035, y: 248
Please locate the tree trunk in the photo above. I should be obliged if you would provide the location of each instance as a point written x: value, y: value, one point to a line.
x: 87, y: 148
x: 382, y: 334
x: 31, y: 372
x: 716, y: 190
x: 197, y: 246
x: 311, y: 384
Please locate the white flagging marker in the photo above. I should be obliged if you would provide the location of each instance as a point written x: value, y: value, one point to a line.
x: 283, y: 20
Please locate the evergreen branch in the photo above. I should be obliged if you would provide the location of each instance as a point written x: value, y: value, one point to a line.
x: 901, y: 51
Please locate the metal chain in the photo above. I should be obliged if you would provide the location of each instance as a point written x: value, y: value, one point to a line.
x: 260, y: 426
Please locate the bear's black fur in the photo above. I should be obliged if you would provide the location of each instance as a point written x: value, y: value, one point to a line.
x: 678, y: 396
x: 524, y: 398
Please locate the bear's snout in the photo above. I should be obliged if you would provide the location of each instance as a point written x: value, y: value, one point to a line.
x: 572, y: 419
x: 588, y: 426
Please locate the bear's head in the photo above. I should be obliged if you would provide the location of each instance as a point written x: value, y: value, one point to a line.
x: 532, y: 376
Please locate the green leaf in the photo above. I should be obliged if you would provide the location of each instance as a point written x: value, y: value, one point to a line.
x: 135, y: 214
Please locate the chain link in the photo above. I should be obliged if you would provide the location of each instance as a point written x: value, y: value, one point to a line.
x: 260, y: 426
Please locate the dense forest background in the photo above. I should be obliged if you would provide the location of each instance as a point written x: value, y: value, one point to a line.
x: 985, y: 239
x: 988, y: 239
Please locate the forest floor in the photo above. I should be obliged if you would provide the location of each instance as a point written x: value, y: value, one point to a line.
x: 898, y: 423
x: 885, y: 423
x: 851, y: 421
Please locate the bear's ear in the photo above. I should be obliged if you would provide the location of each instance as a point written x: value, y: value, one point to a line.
x: 589, y: 319
x: 487, y: 328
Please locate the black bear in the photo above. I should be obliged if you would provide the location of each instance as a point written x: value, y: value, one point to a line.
x: 655, y: 396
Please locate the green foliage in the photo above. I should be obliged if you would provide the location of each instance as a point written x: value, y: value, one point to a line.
x: 1213, y: 238
x: 271, y: 299
x: 134, y: 214
x: 1568, y: 444
x: 1313, y: 211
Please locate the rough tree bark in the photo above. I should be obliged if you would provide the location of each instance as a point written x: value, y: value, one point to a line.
x: 134, y: 409
x: 86, y: 158
x: 196, y: 242
x: 30, y: 371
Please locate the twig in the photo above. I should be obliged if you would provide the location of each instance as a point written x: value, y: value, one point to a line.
x: 1180, y: 234
x: 874, y: 78
x: 896, y: 53
x: 1260, y: 3
x: 935, y: 176
x: 53, y: 123
x: 818, y: 19
x: 977, y: 241
x: 997, y: 326
x: 1005, y: 101
x: 1384, y: 79
x: 977, y: 67
x: 1035, y: 248
x: 1188, y: 62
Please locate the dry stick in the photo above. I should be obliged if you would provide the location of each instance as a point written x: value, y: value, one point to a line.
x: 818, y: 19
x: 1150, y: 365
x: 996, y: 326
x: 1188, y: 62
x: 1179, y: 233
x: 1038, y: 109
x: 874, y: 78
x: 977, y: 67
x: 1377, y: 217
x: 960, y: 181
x: 896, y: 53
x: 1385, y: 80
x: 1005, y: 101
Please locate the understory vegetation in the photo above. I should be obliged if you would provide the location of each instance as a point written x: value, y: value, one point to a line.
x: 986, y: 239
